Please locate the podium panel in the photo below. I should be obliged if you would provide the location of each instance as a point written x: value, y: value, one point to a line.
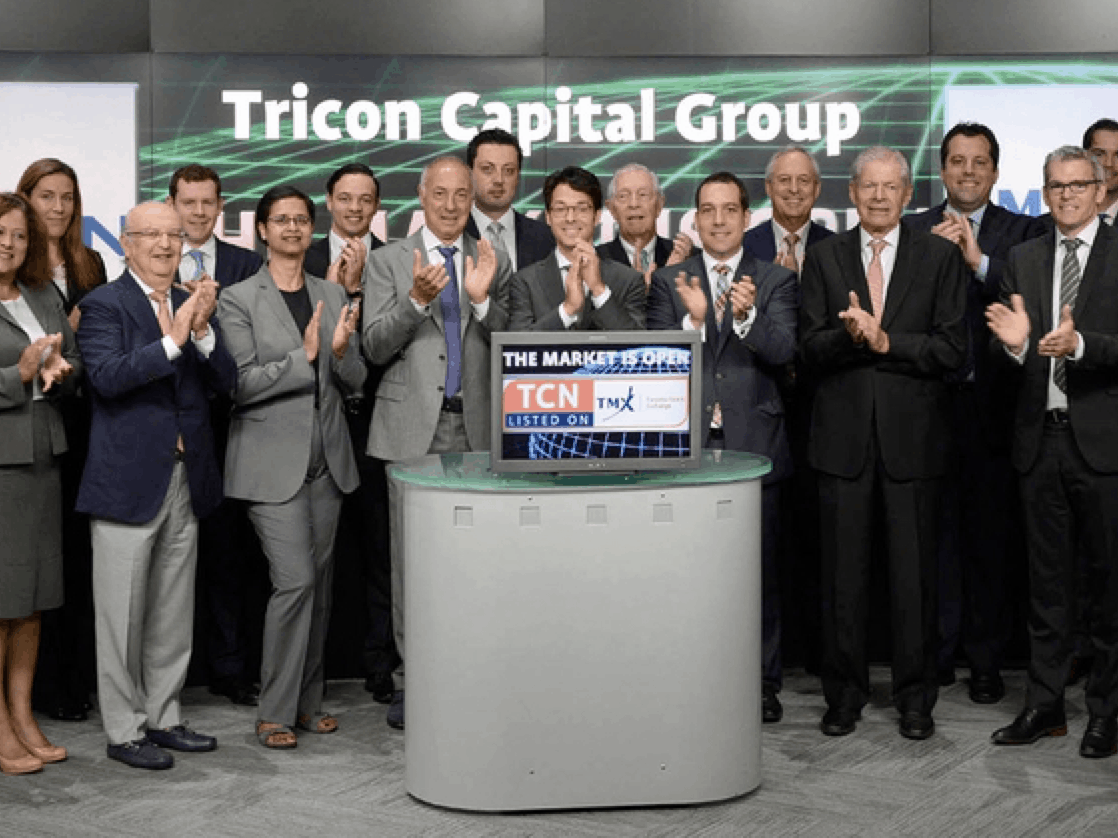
x: 582, y: 641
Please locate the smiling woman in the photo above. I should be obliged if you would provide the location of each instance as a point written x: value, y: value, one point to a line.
x: 37, y: 352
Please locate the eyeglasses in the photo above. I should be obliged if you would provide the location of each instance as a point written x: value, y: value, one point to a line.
x: 643, y: 196
x: 156, y: 235
x: 1075, y: 187
x: 284, y: 220
x: 562, y: 210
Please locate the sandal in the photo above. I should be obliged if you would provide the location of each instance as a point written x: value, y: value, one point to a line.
x: 317, y: 723
x: 276, y: 736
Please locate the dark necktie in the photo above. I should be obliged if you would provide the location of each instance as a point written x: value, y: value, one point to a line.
x: 452, y: 324
x: 1070, y: 275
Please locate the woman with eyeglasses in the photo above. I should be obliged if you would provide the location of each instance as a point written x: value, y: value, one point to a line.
x: 289, y: 454
x: 37, y: 353
x: 67, y: 672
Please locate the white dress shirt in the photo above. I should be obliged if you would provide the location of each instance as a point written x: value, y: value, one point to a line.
x: 205, y: 345
x: 741, y: 327
x: 209, y: 259
x: 801, y: 245
x: 597, y: 302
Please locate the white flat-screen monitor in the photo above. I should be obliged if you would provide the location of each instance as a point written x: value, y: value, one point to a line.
x: 596, y: 401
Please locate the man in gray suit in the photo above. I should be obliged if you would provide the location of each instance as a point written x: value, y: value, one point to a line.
x: 432, y: 301
x: 575, y: 288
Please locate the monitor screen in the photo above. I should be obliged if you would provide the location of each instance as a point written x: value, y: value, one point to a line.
x: 596, y: 401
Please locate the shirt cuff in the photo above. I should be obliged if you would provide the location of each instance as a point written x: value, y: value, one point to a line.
x: 983, y: 267
x: 601, y: 299
x: 480, y: 309
x: 689, y: 325
x: 206, y: 344
x: 1077, y: 355
x: 742, y: 327
x: 171, y: 348
x: 1018, y: 358
x: 424, y: 310
x: 568, y: 319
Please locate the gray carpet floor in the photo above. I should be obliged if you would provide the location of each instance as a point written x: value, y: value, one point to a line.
x: 872, y: 783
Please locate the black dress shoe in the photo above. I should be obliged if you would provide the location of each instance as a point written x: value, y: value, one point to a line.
x: 917, y: 725
x: 771, y: 711
x: 986, y: 689
x: 380, y: 684
x: 236, y: 690
x: 838, y: 721
x: 396, y: 711
x: 141, y: 753
x: 181, y: 738
x: 1101, y: 738
x: 1031, y: 725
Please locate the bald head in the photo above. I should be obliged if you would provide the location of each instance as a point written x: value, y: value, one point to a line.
x: 152, y: 242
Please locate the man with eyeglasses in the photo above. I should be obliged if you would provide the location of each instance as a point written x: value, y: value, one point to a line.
x: 575, y: 288
x: 225, y: 544
x: 153, y: 355
x: 881, y: 324
x: 1057, y: 325
x: 432, y: 301
x: 981, y: 509
x: 495, y: 160
x: 635, y: 200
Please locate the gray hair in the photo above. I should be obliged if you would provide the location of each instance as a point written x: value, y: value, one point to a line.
x: 442, y: 161
x: 784, y: 152
x: 632, y: 167
x: 880, y: 153
x: 1068, y: 153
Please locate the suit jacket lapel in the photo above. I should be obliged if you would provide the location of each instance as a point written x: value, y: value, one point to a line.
x: 1093, y: 270
x: 1044, y: 279
x: 270, y: 291
x: 465, y: 310
x: 851, y: 258
x: 901, y: 279
x: 136, y: 303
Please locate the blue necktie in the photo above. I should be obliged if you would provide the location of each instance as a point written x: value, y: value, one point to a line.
x: 200, y: 267
x: 452, y: 325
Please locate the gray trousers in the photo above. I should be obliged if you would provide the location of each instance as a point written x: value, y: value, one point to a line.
x: 297, y: 536
x: 450, y: 436
x: 143, y: 598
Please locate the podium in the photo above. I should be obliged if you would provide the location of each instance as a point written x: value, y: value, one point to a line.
x: 577, y: 641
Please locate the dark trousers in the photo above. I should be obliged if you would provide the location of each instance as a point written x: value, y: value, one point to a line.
x: 980, y: 535
x: 851, y: 511
x: 1068, y: 504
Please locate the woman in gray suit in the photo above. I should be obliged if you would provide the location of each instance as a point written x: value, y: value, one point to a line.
x: 289, y: 455
x: 37, y: 352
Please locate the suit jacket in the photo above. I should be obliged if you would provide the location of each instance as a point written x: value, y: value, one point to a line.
x: 317, y: 259
x: 899, y: 396
x: 233, y: 264
x: 615, y: 250
x: 17, y: 440
x: 412, y: 347
x: 759, y: 240
x: 1092, y: 382
x: 74, y: 292
x: 740, y: 373
x: 534, y: 240
x: 272, y: 426
x: 1000, y: 230
x: 141, y: 402
x: 537, y: 291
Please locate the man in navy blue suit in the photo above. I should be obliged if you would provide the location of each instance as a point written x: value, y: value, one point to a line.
x: 980, y: 504
x: 152, y: 356
x: 746, y: 310
x: 635, y: 200
x: 793, y: 185
x: 227, y: 544
x: 495, y: 159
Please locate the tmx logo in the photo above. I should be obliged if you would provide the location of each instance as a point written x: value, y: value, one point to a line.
x: 622, y: 405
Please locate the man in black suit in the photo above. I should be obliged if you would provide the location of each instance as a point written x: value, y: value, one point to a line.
x: 980, y: 510
x: 226, y: 544
x: 362, y: 546
x: 792, y: 183
x: 353, y: 198
x: 1057, y: 325
x: 575, y: 288
x: 495, y: 159
x: 635, y: 201
x: 746, y: 310
x: 1101, y: 139
x: 882, y: 322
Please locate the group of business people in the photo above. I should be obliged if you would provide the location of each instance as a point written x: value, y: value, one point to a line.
x: 876, y: 367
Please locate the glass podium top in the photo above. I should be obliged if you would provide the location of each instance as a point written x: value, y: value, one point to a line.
x: 471, y: 472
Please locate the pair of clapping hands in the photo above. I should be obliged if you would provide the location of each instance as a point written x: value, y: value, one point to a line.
x: 43, y: 358
x: 1010, y: 324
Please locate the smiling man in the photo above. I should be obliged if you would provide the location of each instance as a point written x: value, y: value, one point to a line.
x: 635, y: 200
x: 575, y: 288
x: 352, y: 199
x: 1057, y: 325
x: 792, y: 183
x: 980, y: 502
x: 880, y: 326
x: 495, y: 159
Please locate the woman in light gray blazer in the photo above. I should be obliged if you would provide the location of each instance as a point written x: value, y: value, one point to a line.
x: 289, y: 454
x: 37, y: 352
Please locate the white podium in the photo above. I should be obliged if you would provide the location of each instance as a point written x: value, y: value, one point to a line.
x: 582, y: 641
